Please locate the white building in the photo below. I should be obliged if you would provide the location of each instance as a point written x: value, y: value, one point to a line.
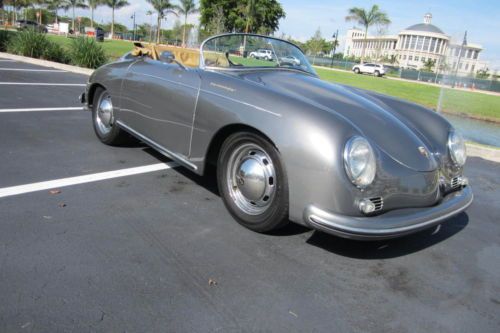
x: 415, y: 45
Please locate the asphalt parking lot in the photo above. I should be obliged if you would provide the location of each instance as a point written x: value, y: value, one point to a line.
x: 157, y: 251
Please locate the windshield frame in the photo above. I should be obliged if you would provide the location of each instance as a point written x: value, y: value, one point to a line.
x: 202, y: 58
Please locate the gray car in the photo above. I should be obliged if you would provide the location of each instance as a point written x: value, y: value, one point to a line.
x: 286, y: 145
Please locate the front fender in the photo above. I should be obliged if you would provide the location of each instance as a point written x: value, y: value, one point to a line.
x: 309, y: 140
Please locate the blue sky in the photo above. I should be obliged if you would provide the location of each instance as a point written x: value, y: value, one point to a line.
x: 480, y: 18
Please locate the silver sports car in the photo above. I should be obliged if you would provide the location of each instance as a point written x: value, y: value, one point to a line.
x: 286, y: 145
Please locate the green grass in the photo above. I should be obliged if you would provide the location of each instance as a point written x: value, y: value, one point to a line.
x: 454, y: 101
x: 113, y: 48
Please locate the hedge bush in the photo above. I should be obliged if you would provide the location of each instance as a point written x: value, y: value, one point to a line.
x: 33, y: 44
x: 57, y: 53
x: 5, y: 36
x: 82, y: 51
x: 28, y: 43
x: 85, y: 52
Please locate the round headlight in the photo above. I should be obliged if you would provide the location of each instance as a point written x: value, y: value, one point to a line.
x: 456, y: 146
x: 359, y: 161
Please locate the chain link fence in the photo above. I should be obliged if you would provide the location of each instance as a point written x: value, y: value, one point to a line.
x: 448, y: 77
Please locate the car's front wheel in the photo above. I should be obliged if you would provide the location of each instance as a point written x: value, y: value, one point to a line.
x: 377, y: 74
x: 103, y: 120
x: 356, y: 70
x: 252, y: 182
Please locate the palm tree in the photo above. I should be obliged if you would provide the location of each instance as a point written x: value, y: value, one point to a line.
x: 55, y: 5
x: 187, y: 7
x: 367, y: 19
x: 74, y: 4
x: 115, y: 4
x: 93, y: 4
x: 163, y: 7
x: 250, y: 12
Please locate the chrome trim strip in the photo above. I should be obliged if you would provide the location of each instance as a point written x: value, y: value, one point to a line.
x: 241, y: 102
x: 156, y: 146
x: 167, y: 80
x: 155, y: 119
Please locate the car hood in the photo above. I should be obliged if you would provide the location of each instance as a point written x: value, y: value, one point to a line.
x: 376, y: 121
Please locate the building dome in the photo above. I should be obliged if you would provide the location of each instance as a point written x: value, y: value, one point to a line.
x: 426, y: 26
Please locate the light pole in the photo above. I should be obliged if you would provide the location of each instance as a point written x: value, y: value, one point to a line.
x: 133, y: 26
x: 335, y: 35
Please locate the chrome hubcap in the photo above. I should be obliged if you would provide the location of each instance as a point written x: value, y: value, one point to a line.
x: 251, y: 179
x: 104, y: 114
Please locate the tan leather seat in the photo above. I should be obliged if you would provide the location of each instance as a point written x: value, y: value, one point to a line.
x: 188, y: 57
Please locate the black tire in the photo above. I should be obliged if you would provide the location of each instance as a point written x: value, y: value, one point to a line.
x: 356, y: 70
x: 377, y: 73
x: 275, y: 215
x: 116, y: 136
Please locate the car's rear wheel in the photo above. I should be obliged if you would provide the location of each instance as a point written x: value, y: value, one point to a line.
x: 356, y: 70
x: 104, y: 121
x: 252, y: 182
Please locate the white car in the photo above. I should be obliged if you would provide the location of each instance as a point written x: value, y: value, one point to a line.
x: 262, y: 54
x: 369, y: 68
x: 291, y: 60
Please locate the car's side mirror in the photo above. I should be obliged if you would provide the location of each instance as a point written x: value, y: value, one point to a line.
x: 167, y: 56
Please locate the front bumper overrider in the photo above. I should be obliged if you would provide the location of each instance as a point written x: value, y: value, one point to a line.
x: 391, y: 224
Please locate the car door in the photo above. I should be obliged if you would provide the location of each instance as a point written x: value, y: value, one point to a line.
x: 158, y: 101
x: 369, y: 68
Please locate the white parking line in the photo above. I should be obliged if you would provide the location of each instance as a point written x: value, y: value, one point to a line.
x: 32, y: 70
x: 41, y: 84
x: 63, y: 182
x: 71, y: 108
x: 7, y: 60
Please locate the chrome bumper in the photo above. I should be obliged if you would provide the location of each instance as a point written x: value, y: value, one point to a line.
x: 392, y: 224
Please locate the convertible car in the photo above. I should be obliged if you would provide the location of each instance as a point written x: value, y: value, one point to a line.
x: 286, y: 145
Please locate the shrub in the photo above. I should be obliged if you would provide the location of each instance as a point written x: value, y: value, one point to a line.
x: 28, y: 43
x: 85, y: 52
x: 5, y: 36
x: 55, y: 52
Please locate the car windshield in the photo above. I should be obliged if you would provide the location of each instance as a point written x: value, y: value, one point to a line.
x: 240, y: 51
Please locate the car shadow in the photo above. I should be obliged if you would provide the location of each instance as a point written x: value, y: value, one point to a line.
x: 208, y: 180
x: 391, y: 248
x: 386, y: 249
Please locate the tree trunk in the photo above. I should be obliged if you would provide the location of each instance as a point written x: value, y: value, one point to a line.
x: 364, y: 45
x: 151, y: 30
x: 91, y: 17
x: 184, y: 32
x: 112, y: 22
x: 158, y: 33
x: 73, y: 20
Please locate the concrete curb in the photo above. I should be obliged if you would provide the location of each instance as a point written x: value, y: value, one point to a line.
x: 473, y: 149
x: 46, y: 63
x: 487, y: 153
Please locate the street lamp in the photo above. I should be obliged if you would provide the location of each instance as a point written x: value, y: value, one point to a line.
x: 335, y: 35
